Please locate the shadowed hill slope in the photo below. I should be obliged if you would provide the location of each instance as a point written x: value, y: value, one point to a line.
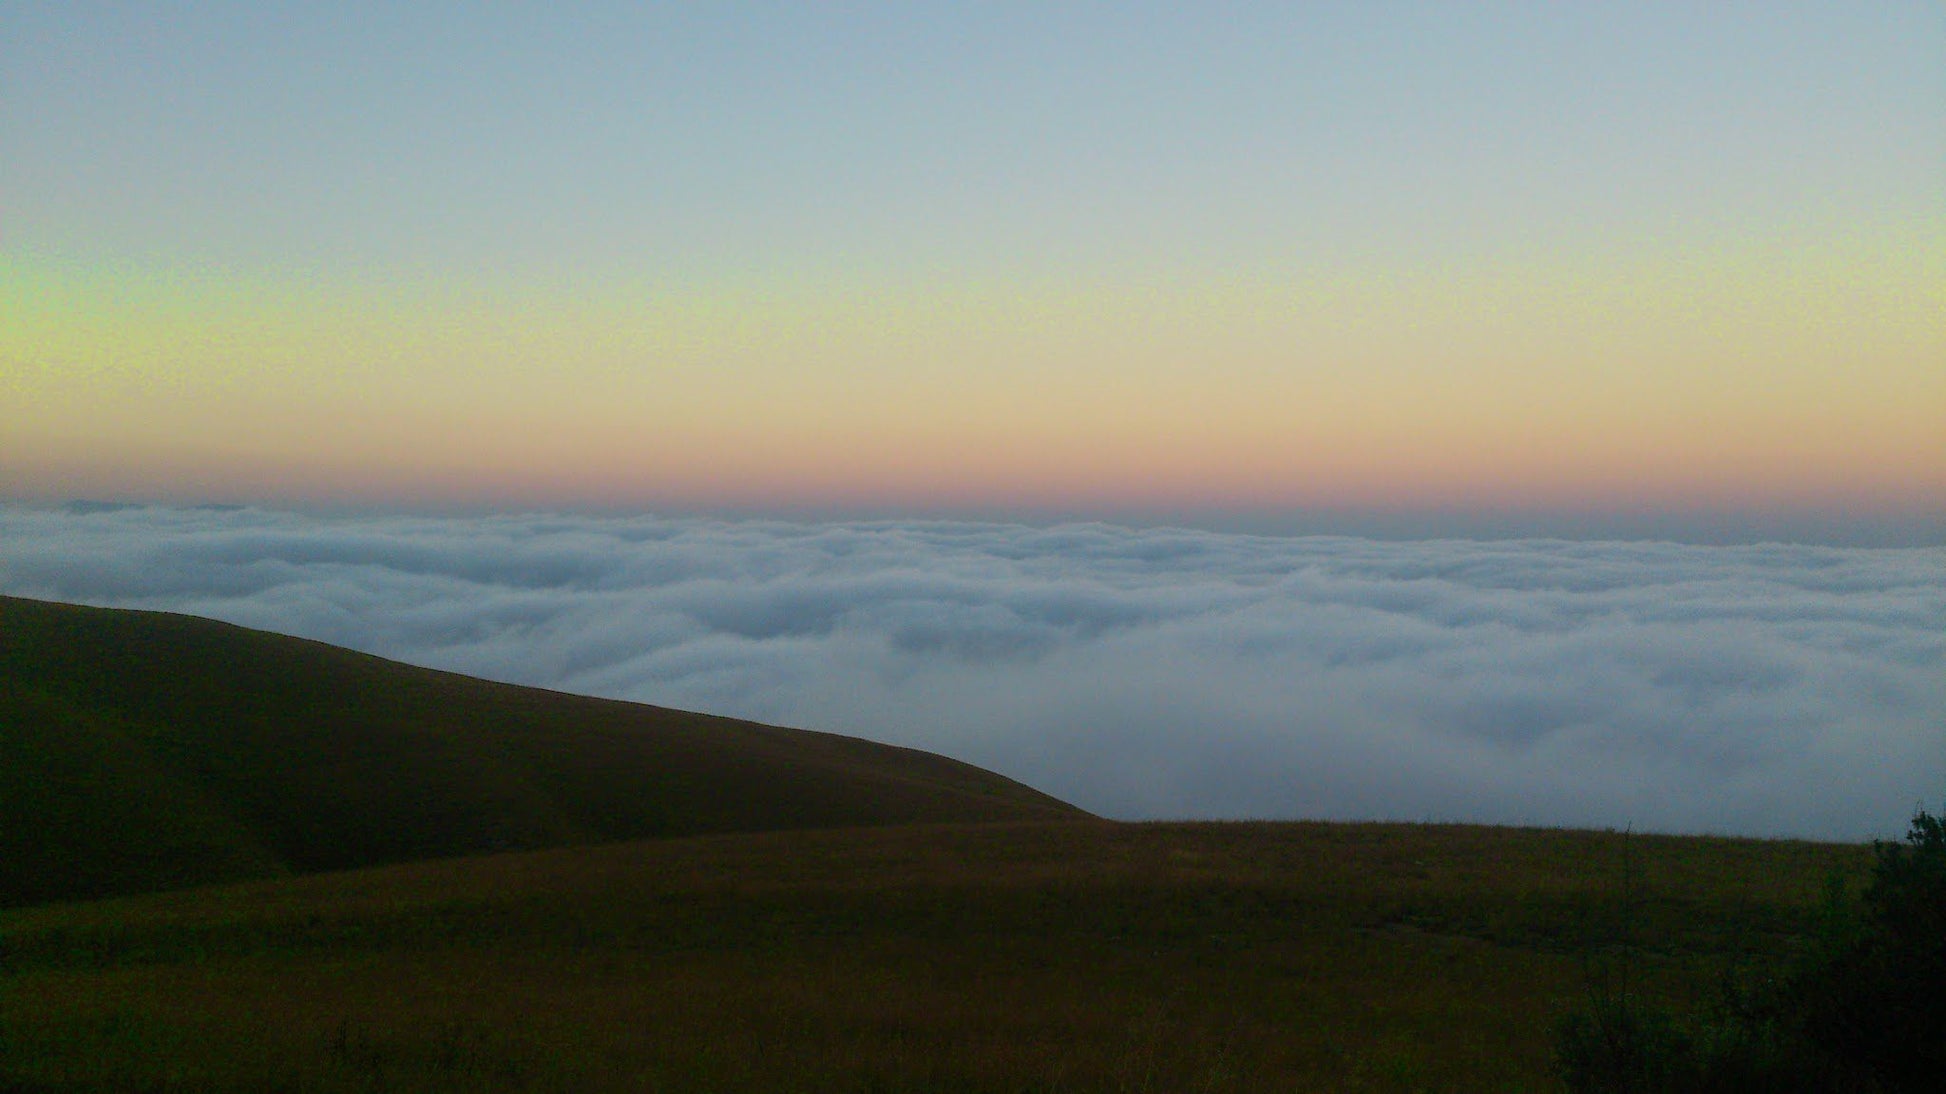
x: 145, y: 750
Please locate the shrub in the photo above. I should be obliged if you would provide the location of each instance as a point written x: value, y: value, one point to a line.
x: 1864, y: 1010
x: 1621, y: 1045
x: 1878, y: 1005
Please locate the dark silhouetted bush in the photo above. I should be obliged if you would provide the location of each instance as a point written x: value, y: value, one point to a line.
x: 1621, y: 1044
x: 1863, y: 1010
x: 1877, y: 1006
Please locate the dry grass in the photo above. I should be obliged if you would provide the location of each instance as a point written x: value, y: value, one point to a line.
x: 1024, y: 957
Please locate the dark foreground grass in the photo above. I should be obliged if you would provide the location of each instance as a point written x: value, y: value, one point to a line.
x: 1030, y: 957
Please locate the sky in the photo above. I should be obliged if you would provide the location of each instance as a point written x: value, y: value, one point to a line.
x: 1766, y: 690
x: 1657, y: 270
x: 1507, y: 412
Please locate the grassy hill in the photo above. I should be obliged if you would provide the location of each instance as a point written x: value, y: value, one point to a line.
x: 1010, y: 957
x: 144, y: 750
x: 819, y: 913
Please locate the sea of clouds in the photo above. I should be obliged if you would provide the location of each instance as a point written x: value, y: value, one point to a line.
x: 1142, y: 673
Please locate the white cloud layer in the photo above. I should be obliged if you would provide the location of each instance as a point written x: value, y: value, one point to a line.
x: 1766, y: 690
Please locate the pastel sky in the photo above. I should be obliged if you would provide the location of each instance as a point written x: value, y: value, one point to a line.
x: 1206, y: 262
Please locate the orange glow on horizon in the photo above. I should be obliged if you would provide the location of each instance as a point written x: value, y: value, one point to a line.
x: 1746, y: 377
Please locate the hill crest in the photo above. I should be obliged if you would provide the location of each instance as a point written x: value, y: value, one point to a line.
x: 148, y: 750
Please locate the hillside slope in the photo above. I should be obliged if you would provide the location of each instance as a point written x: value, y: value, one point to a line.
x: 144, y: 750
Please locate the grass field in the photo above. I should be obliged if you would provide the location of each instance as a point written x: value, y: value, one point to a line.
x: 1001, y: 957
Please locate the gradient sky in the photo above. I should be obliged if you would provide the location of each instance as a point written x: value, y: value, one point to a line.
x: 1237, y: 262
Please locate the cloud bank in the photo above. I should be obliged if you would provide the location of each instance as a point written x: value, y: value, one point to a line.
x: 1764, y: 690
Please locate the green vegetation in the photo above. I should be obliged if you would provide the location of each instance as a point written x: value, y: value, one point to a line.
x: 141, y: 751
x: 997, y: 957
x: 1861, y: 1009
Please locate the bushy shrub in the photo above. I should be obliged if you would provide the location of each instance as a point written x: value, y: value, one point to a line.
x: 1619, y: 1045
x: 1878, y: 1005
x: 1863, y: 1010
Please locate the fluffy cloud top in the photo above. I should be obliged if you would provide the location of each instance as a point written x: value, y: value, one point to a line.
x: 1771, y: 690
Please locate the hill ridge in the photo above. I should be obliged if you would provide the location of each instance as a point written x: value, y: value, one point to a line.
x: 143, y: 750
